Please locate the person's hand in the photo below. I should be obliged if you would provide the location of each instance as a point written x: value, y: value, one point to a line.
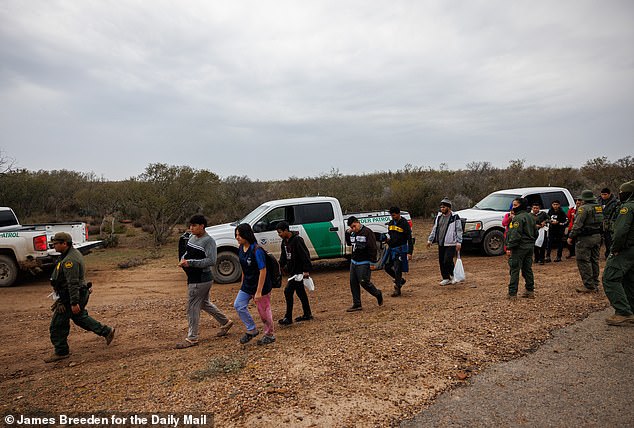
x: 569, y: 241
x: 409, y: 257
x: 183, y: 263
x: 508, y: 253
x: 76, y: 309
x: 257, y: 297
x: 458, y: 247
x: 306, y: 274
x: 428, y: 244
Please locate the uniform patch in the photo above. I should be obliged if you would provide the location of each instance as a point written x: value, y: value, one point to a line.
x: 514, y: 224
x: 580, y: 210
x: 623, y: 210
x: 68, y: 264
x: 598, y: 209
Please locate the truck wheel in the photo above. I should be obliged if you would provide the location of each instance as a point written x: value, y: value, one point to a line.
x: 493, y: 243
x: 8, y: 271
x: 227, y: 268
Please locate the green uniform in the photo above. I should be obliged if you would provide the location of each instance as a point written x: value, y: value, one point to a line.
x: 618, y: 276
x: 68, y: 281
x: 587, y: 231
x: 520, y: 240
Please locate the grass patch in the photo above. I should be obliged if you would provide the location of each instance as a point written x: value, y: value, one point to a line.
x: 219, y: 366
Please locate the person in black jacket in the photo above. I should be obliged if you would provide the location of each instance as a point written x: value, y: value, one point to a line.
x: 557, y: 227
x: 294, y: 260
x: 541, y: 221
x: 400, y: 248
x: 364, y: 252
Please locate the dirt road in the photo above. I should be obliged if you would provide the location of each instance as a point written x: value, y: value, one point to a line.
x: 376, y: 367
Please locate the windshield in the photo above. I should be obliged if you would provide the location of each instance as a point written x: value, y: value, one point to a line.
x: 254, y: 214
x: 496, y: 202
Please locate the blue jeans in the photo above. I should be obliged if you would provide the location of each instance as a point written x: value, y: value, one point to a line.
x: 242, y: 308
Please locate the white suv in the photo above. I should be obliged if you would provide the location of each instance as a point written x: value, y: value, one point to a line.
x: 482, y: 224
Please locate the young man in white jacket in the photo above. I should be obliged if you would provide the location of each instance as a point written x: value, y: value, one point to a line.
x: 447, y: 233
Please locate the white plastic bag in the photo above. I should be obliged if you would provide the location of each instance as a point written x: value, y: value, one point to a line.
x: 458, y: 271
x: 540, y: 237
x: 309, y: 284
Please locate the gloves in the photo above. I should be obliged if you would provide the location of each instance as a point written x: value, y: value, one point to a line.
x: 58, y: 306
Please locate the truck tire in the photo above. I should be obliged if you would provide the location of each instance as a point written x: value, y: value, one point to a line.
x: 8, y: 271
x: 493, y: 243
x: 227, y: 268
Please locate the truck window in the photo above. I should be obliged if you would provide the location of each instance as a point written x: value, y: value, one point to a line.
x: 314, y: 213
x: 7, y: 218
x: 549, y: 197
x: 271, y: 219
x: 535, y: 198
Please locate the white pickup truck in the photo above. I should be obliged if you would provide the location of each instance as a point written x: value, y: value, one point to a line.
x: 319, y: 220
x: 27, y: 247
x: 483, y: 225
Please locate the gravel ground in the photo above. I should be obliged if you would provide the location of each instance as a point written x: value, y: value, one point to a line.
x: 582, y: 377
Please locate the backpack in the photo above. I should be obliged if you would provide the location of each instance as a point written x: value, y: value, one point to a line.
x: 273, y: 270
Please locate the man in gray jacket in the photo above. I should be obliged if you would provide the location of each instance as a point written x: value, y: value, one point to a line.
x: 447, y: 233
x: 199, y: 257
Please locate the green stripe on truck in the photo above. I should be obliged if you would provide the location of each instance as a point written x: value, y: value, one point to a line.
x: 325, y: 242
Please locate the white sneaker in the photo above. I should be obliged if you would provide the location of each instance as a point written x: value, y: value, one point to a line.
x: 453, y: 281
x: 445, y: 282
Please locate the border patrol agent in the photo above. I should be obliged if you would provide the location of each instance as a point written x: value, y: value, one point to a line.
x: 520, y: 241
x: 73, y: 293
x: 587, y: 230
x: 618, y: 276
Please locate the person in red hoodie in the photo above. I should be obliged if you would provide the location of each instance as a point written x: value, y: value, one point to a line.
x: 572, y: 212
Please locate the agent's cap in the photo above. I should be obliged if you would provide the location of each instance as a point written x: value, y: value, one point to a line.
x: 586, y: 196
x: 627, y: 187
x: 62, y: 237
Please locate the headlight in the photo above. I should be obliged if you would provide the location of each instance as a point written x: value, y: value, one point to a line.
x: 472, y: 226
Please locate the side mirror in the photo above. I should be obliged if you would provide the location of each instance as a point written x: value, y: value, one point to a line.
x: 260, y: 226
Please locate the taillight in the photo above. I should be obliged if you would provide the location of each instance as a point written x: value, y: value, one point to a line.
x: 40, y: 243
x: 410, y: 223
x: 86, y: 231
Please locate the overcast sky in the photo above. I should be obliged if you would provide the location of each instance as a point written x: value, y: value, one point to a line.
x: 272, y: 89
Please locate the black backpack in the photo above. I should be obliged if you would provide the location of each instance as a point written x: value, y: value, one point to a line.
x: 273, y: 270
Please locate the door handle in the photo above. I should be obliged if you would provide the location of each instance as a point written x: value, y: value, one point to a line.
x: 333, y: 229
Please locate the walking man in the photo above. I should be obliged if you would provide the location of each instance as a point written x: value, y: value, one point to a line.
x: 363, y: 254
x: 68, y: 281
x: 519, y: 247
x: 618, y: 276
x: 400, y: 248
x: 447, y: 233
x: 587, y: 232
x: 294, y: 261
x: 541, y: 223
x: 199, y: 257
x: 557, y: 227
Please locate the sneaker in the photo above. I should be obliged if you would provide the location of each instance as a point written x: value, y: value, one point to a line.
x: 512, y: 296
x: 396, y: 292
x: 445, y: 282
x: 224, y: 329
x: 110, y: 336
x: 379, y: 298
x: 266, y: 340
x: 620, y: 320
x: 354, y: 308
x: 453, y: 281
x: 248, y: 336
x: 585, y: 290
x: 187, y: 343
x: 547, y: 260
x: 528, y: 295
x: 55, y: 357
x: 303, y: 318
x: 285, y: 321
x: 558, y: 259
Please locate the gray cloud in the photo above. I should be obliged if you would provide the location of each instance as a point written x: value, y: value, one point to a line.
x: 273, y: 89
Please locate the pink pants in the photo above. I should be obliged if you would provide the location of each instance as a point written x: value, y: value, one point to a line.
x: 264, y: 309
